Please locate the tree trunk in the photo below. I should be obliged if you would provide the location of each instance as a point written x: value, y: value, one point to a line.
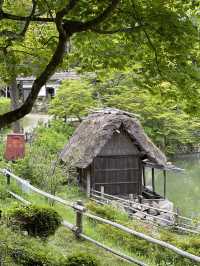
x: 14, y: 96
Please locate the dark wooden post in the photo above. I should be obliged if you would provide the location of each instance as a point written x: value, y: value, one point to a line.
x: 8, y: 179
x: 143, y: 175
x: 79, y: 207
x: 165, y: 182
x: 153, y: 179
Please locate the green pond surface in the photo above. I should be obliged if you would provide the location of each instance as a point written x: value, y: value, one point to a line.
x: 183, y: 188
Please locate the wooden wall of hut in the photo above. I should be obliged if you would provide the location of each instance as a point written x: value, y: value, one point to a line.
x: 117, y: 167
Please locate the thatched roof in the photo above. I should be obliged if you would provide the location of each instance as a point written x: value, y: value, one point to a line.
x: 94, y: 132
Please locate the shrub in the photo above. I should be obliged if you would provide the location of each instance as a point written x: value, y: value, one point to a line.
x: 108, y: 211
x: 81, y: 260
x: 26, y: 251
x: 3, y: 193
x: 37, y: 221
x: 41, y: 165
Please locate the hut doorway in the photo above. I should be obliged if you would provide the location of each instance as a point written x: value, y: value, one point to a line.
x: 119, y: 175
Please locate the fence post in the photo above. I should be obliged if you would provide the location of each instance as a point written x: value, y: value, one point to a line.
x: 8, y: 179
x: 79, y: 207
x: 102, y: 192
x: 177, y: 220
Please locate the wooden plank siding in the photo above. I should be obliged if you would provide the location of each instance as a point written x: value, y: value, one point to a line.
x: 118, y: 167
x: 118, y: 174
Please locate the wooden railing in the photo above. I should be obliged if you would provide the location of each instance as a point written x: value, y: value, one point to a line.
x: 82, y: 212
x: 179, y: 222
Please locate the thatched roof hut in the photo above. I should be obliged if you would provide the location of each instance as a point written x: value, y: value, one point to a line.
x: 109, y: 150
x: 95, y: 131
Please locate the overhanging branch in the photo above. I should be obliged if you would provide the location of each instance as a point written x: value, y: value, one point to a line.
x: 102, y: 16
x: 66, y: 29
x: 14, y: 115
x: 67, y: 8
x: 126, y: 30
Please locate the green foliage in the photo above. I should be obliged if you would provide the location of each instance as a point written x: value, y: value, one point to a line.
x: 41, y: 165
x: 108, y: 212
x: 53, y: 137
x: 160, y: 105
x: 81, y: 260
x: 16, y: 249
x: 140, y: 247
x: 26, y: 251
x: 36, y: 220
x: 74, y: 99
x: 4, y: 105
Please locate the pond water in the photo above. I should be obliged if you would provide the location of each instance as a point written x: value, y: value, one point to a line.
x: 183, y: 188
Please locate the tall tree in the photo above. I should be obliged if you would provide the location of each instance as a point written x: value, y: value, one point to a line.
x: 162, y: 26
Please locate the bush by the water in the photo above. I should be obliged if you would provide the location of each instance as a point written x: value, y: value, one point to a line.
x: 36, y: 220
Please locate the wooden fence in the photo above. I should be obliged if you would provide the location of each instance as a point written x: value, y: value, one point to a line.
x: 81, y: 212
x: 178, y: 222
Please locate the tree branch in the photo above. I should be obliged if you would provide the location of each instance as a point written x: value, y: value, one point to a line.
x: 66, y: 29
x: 154, y: 49
x: 129, y: 29
x: 148, y: 38
x: 49, y: 9
x: 67, y: 8
x: 27, y: 23
x: 102, y: 16
x: 14, y: 115
x: 13, y: 35
x: 4, y: 15
x: 78, y: 26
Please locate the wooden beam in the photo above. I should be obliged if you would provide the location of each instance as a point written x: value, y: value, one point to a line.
x: 165, y: 183
x: 146, y: 237
x: 88, y: 183
x: 102, y: 191
x: 153, y: 179
x: 144, y: 176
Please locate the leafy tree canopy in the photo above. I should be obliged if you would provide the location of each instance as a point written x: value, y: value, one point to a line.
x: 74, y: 99
x: 158, y: 39
x: 161, y: 108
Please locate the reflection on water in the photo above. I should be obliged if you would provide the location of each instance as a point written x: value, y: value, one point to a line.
x: 183, y: 188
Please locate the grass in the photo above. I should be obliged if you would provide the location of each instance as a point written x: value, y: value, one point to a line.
x: 65, y: 240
